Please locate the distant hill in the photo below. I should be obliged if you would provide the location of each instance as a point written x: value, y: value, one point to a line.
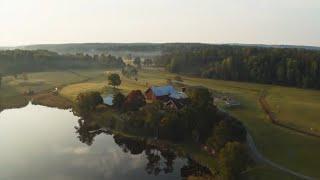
x: 281, y: 46
x: 139, y: 49
x: 116, y: 49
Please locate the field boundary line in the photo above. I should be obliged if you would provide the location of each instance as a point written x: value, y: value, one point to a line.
x: 266, y: 108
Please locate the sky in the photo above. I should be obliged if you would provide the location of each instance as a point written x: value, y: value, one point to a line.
x: 292, y: 22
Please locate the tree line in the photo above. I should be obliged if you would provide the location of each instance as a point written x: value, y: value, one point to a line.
x: 18, y: 61
x: 282, y: 66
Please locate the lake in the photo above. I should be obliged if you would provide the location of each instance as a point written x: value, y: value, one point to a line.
x: 39, y: 142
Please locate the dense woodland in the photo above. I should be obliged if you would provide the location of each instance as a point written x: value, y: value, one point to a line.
x: 19, y: 61
x: 282, y: 66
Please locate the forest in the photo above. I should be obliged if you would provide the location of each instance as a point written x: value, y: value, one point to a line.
x: 19, y: 61
x: 282, y: 66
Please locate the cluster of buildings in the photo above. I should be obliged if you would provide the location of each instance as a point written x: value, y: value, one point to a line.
x: 168, y: 95
x: 170, y: 98
x: 173, y: 99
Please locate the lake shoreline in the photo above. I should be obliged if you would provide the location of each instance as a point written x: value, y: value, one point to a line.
x: 57, y: 101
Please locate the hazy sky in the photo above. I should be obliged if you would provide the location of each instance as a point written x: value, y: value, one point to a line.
x: 210, y: 21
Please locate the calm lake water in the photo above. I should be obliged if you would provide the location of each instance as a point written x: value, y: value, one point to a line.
x: 38, y: 142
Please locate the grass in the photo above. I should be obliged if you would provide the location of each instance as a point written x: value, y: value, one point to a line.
x: 10, y: 98
x: 13, y: 89
x: 266, y: 173
x: 51, y: 100
x: 294, y: 106
x: 71, y: 91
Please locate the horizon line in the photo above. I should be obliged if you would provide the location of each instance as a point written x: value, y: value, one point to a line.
x: 173, y: 42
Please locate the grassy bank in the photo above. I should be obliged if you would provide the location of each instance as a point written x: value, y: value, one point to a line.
x: 13, y: 90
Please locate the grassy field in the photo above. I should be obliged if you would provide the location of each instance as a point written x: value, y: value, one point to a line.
x: 296, y: 107
x: 13, y: 89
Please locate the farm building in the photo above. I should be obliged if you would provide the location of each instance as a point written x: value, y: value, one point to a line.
x: 163, y: 93
x: 168, y: 95
x: 175, y: 103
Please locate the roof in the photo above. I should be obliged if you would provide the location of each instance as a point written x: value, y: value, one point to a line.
x: 178, y: 95
x: 179, y: 103
x: 163, y: 90
x: 108, y: 100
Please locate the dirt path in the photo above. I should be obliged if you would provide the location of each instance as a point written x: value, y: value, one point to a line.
x: 259, y: 158
x: 266, y: 108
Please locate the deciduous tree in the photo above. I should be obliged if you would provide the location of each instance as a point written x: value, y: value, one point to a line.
x: 86, y: 102
x: 114, y: 79
x: 134, y: 100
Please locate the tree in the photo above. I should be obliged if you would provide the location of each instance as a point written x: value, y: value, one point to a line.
x: 226, y: 131
x: 200, y: 97
x: 137, y: 62
x: 118, y: 100
x: 153, y: 116
x: 134, y: 100
x: 114, y: 79
x: 87, y: 102
x: 233, y: 159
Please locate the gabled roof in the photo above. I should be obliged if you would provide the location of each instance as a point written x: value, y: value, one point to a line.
x: 179, y: 103
x: 163, y: 90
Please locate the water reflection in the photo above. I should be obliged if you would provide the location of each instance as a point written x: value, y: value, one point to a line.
x: 38, y: 142
x: 87, y: 131
x: 158, y: 160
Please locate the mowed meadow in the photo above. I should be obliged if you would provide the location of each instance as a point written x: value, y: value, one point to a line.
x: 292, y: 106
